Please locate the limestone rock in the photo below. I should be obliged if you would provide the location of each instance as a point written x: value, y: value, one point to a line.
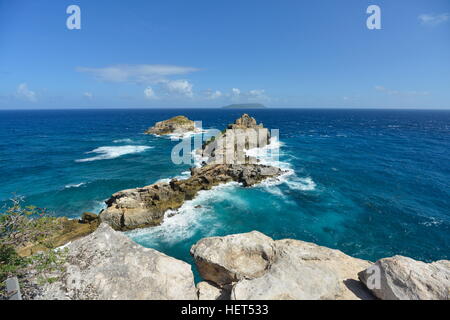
x: 402, y: 278
x: 261, y: 268
x: 209, y: 291
x: 244, y: 122
x: 107, y: 265
x: 178, y: 124
x: 224, y: 260
x: 232, y: 144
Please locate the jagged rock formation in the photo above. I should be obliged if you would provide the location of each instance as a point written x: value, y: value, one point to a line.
x: 245, y: 122
x: 402, y: 278
x: 143, y: 207
x: 230, y: 146
x: 107, y: 265
x: 258, y: 267
x: 178, y: 124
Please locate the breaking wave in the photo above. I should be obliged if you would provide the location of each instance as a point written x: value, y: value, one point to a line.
x: 113, y: 152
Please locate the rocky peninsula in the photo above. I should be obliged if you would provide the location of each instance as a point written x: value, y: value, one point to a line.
x: 177, y: 125
x: 146, y: 206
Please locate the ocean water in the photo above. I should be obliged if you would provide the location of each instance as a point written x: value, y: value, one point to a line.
x: 372, y: 183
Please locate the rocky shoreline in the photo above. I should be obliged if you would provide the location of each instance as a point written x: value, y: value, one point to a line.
x: 146, y: 207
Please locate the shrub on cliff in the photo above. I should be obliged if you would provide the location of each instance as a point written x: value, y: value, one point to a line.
x: 19, y: 226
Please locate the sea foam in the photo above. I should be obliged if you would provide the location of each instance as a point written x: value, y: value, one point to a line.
x: 74, y: 185
x: 113, y: 152
x: 191, y: 217
x: 127, y: 140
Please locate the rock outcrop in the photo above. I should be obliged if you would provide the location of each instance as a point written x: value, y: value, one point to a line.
x: 107, y: 265
x: 178, y: 124
x: 146, y: 206
x: 402, y: 278
x: 143, y: 207
x: 230, y: 145
x: 258, y: 267
x: 225, y: 260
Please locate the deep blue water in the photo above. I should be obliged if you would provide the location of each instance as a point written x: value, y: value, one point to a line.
x: 370, y: 183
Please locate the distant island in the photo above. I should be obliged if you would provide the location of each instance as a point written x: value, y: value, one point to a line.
x: 245, y: 106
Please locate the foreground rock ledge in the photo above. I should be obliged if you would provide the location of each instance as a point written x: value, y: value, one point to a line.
x: 252, y: 266
x: 144, y: 207
x: 258, y: 267
x: 403, y: 278
x: 107, y: 265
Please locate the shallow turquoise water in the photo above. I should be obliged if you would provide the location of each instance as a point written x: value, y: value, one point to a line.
x: 370, y: 183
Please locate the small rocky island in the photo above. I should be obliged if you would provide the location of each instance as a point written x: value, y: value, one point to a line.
x: 177, y: 125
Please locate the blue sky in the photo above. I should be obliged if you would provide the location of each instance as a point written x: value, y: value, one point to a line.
x: 204, y: 53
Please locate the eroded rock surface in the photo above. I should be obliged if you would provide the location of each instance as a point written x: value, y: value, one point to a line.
x: 107, y: 265
x: 230, y: 145
x: 402, y: 278
x: 260, y: 268
x: 224, y: 260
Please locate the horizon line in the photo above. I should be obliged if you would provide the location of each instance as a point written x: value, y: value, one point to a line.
x: 222, y: 108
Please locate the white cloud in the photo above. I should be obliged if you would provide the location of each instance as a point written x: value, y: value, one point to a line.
x: 24, y: 93
x: 179, y: 87
x: 434, y: 19
x: 149, y: 93
x: 210, y: 94
x: 401, y: 93
x: 257, y: 93
x: 88, y: 95
x: 144, y: 73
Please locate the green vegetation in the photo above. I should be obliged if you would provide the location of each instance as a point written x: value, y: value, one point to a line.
x: 179, y: 120
x: 20, y: 226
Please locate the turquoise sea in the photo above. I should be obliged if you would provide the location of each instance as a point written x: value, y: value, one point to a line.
x: 372, y: 183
